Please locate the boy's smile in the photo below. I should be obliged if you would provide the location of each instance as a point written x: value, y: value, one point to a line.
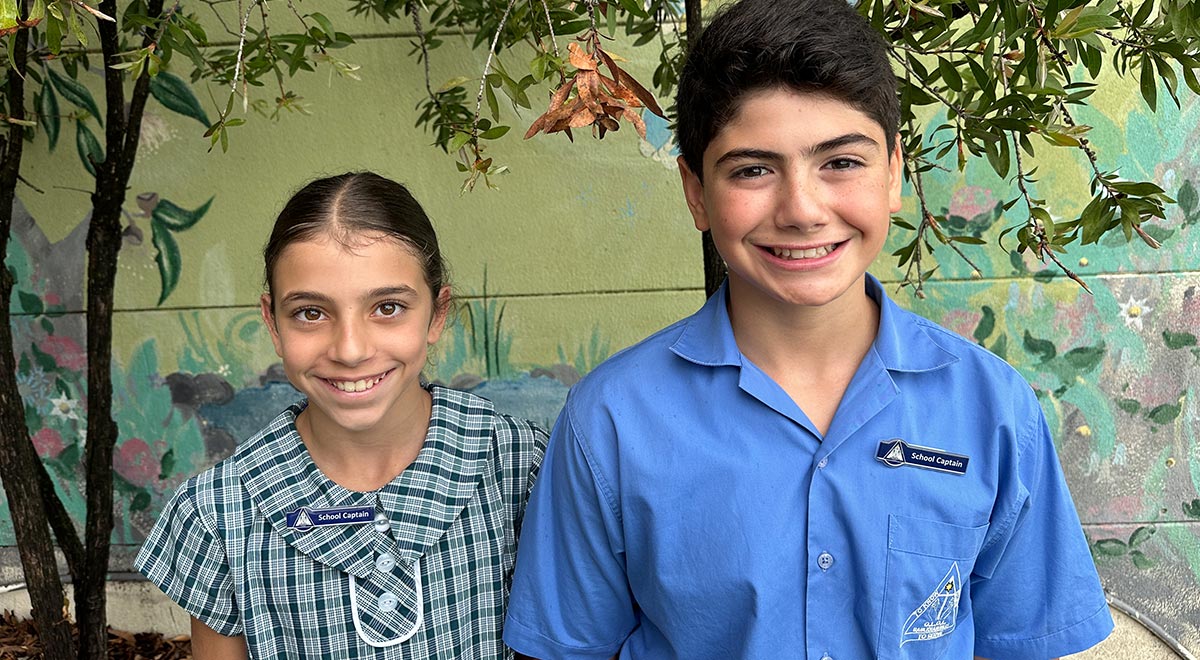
x: 798, y: 191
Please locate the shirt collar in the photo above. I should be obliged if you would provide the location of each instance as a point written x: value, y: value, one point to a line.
x: 902, y: 342
x: 422, y: 501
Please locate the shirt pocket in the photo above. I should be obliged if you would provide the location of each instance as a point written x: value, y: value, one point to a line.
x: 926, y: 586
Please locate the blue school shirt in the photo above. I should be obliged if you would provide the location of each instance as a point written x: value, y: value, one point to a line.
x: 687, y: 508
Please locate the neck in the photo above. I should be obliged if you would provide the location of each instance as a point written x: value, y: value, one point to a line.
x: 366, y: 460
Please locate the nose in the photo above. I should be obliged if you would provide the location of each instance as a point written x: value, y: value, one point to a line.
x: 351, y: 343
x: 801, y: 204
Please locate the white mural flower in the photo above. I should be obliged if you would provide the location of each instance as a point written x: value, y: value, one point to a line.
x: 64, y: 407
x: 1133, y: 311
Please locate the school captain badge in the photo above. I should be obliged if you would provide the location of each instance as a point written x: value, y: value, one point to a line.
x: 936, y: 616
x: 896, y: 452
x: 304, y: 519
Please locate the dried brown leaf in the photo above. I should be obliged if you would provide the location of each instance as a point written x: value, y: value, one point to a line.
x: 580, y: 59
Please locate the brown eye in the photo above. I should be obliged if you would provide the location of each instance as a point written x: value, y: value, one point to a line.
x: 310, y: 315
x: 389, y: 309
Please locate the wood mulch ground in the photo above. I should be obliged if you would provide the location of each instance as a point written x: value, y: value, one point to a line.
x: 19, y: 641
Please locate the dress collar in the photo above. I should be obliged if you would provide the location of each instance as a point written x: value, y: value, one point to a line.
x: 422, y: 501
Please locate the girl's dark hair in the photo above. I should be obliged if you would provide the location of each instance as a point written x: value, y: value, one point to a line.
x: 349, y: 205
x: 821, y: 46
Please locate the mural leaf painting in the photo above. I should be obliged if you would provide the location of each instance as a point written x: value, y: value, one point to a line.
x: 171, y: 91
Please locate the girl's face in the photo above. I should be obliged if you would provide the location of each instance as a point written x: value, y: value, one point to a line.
x: 353, y: 326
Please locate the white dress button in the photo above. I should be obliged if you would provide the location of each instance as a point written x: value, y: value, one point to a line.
x: 385, y: 562
x: 822, y: 463
x: 824, y: 560
x: 388, y: 602
x: 382, y: 524
x: 826, y: 657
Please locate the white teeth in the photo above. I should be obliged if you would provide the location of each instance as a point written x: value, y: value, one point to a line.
x: 356, y: 385
x: 810, y: 253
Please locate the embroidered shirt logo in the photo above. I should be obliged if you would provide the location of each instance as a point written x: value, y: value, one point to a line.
x: 936, y: 616
x: 304, y: 519
x: 897, y: 453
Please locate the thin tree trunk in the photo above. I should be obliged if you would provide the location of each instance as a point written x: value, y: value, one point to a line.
x: 122, y: 132
x: 19, y: 463
x: 714, y: 266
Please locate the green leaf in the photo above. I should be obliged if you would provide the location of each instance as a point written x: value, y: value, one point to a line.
x: 74, y: 91
x: 1149, y: 83
x: 1187, y: 197
x: 1164, y: 414
x: 1140, y: 560
x: 1111, y: 547
x: 987, y: 324
x: 1131, y: 406
x: 141, y: 501
x: 48, y: 114
x: 1040, y: 347
x: 1192, y: 510
x: 1141, y: 535
x: 177, y: 218
x: 175, y: 94
x: 1085, y: 358
x: 167, y: 464
x: 494, y: 132
x: 30, y: 303
x: 1175, y: 340
x: 90, y: 151
x: 166, y: 255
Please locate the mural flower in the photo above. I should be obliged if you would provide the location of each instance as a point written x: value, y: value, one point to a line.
x: 1133, y: 311
x: 66, y: 353
x: 34, y: 386
x: 48, y: 442
x: 64, y: 408
x: 136, y: 462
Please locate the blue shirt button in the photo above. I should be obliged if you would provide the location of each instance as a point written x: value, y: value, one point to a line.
x: 385, y: 562
x: 821, y: 466
x: 382, y: 524
x: 825, y: 560
x: 388, y: 602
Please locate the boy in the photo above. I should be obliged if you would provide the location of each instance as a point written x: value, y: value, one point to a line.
x: 801, y: 469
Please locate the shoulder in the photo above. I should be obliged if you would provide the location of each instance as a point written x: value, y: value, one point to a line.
x: 517, y: 441
x: 219, y: 494
x: 645, y: 364
x: 969, y: 358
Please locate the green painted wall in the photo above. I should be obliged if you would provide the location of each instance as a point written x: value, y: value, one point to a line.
x: 584, y: 249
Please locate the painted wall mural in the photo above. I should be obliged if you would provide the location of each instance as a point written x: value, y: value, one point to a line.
x: 553, y: 279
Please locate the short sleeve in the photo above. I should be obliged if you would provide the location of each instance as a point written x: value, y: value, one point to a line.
x: 1036, y: 593
x: 187, y: 561
x: 570, y: 597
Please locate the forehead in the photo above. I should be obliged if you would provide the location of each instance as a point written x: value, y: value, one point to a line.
x: 800, y: 116
x: 333, y: 264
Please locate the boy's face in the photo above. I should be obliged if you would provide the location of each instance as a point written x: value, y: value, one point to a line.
x: 798, y: 192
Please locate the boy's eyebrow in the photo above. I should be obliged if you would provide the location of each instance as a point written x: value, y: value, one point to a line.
x: 842, y: 141
x: 313, y: 296
x: 831, y: 144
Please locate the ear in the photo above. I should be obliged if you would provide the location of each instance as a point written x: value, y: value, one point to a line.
x: 441, y: 309
x: 268, y: 316
x: 693, y: 192
x: 896, y: 177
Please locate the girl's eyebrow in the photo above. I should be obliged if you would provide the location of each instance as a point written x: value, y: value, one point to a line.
x: 832, y: 144
x: 380, y: 292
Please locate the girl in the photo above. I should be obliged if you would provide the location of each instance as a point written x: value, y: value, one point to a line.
x: 378, y: 517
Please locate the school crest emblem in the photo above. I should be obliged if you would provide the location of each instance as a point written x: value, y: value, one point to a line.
x: 937, y: 615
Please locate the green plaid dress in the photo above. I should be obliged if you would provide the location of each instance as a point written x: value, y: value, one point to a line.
x: 429, y: 578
